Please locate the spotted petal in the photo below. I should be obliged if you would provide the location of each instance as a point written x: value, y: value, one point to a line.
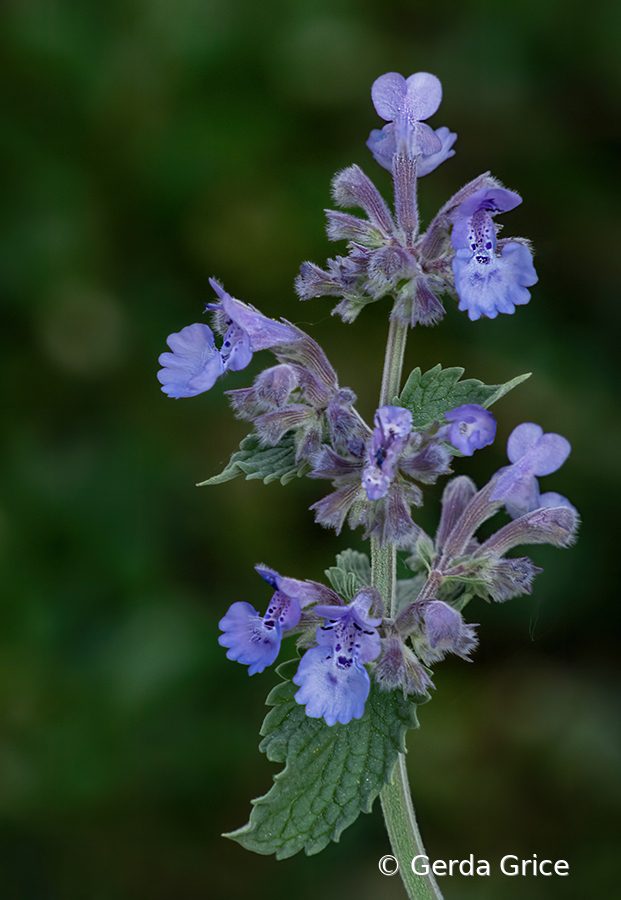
x: 488, y: 284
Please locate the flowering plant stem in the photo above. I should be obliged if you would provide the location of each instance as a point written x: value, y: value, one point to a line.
x: 396, y: 797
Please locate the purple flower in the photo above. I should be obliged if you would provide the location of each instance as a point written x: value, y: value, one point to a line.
x: 332, y: 679
x: 254, y: 640
x: 196, y: 363
x: 533, y: 454
x: 405, y: 104
x: 393, y: 425
x: 472, y: 428
x: 489, y: 282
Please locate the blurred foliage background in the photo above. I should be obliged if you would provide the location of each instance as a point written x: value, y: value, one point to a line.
x: 146, y: 145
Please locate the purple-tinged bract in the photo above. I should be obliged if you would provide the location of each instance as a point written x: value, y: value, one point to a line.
x: 486, y: 281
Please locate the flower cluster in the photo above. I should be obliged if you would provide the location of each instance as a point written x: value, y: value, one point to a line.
x: 331, y: 676
x: 301, y: 414
x: 384, y: 470
x: 342, y: 640
x: 459, y: 254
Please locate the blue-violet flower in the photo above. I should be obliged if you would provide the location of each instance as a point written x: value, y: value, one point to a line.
x: 196, y: 363
x: 332, y: 679
x: 486, y: 281
x: 471, y: 428
x: 254, y: 640
x: 404, y: 104
x: 393, y: 425
x: 532, y: 454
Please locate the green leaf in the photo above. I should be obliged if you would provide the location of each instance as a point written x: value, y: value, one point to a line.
x: 352, y: 572
x: 408, y: 590
x: 332, y: 773
x: 268, y: 463
x: 430, y: 396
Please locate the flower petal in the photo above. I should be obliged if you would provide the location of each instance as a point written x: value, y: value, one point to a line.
x: 193, y: 366
x: 389, y: 95
x: 488, y: 284
x: 549, y: 454
x: 522, y: 439
x: 250, y: 641
x: 424, y: 95
x: 262, y: 331
x: 473, y: 427
x: 326, y: 689
x: 430, y: 162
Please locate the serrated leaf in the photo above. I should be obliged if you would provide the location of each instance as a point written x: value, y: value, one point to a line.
x: 344, y: 583
x: 268, y: 463
x: 430, y: 396
x: 352, y: 572
x: 332, y: 773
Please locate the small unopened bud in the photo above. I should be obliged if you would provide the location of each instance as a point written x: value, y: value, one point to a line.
x: 273, y: 386
x: 511, y: 577
x: 456, y: 496
x: 446, y: 632
x: 398, y: 668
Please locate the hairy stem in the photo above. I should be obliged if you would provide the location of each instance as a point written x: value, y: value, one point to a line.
x: 393, y: 362
x: 396, y: 798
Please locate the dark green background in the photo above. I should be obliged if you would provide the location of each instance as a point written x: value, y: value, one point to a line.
x: 145, y: 146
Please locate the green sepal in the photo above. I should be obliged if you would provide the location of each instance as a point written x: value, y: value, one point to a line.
x: 269, y: 463
x: 352, y: 572
x: 430, y: 396
x: 332, y: 773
